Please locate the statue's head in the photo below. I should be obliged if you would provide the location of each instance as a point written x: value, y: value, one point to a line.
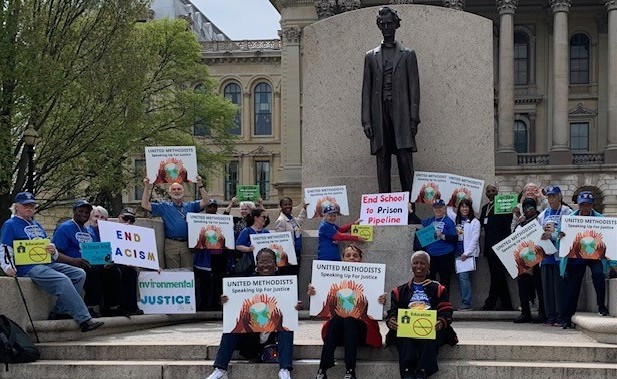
x: 388, y: 21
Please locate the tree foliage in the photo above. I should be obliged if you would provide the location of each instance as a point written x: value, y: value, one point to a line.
x: 98, y: 86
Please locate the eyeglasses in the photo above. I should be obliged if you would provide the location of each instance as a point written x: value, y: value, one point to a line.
x: 129, y: 219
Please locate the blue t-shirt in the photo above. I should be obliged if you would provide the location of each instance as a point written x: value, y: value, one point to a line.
x: 244, y: 238
x: 94, y: 232
x: 553, y: 216
x: 68, y: 236
x: 419, y: 298
x: 327, y: 249
x: 174, y: 217
x: 446, y: 226
x: 16, y: 229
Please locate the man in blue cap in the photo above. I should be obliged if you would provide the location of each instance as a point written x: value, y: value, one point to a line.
x: 67, y: 237
x: 442, y: 250
x: 64, y: 281
x: 573, y: 269
x: 552, y: 282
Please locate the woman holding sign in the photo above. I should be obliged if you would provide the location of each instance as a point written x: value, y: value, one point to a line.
x: 256, y: 222
x: 467, y: 249
x: 418, y: 357
x: 251, y: 343
x: 348, y: 331
x: 286, y: 222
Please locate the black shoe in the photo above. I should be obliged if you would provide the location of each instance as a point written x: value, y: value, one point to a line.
x: 59, y: 316
x: 409, y: 375
x: 488, y: 307
x: 89, y: 325
x: 93, y: 313
x: 522, y: 319
x: 539, y: 320
x: 603, y: 311
x: 350, y: 374
x: 420, y: 374
x: 567, y: 325
x: 321, y: 374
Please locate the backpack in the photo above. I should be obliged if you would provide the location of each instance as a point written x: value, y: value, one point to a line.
x: 15, y: 344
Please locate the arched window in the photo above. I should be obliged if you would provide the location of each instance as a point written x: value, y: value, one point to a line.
x: 233, y: 93
x: 521, y: 137
x: 263, y: 109
x: 579, y: 59
x: 521, y: 58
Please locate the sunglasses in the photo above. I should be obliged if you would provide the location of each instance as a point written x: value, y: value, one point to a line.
x: 129, y: 219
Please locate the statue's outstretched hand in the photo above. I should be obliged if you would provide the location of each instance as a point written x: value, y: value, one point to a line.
x: 368, y: 130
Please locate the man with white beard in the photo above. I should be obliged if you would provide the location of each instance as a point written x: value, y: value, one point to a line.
x: 173, y: 213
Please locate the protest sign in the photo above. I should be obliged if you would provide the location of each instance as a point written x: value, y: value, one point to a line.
x: 281, y: 243
x: 171, y: 164
x: 426, y: 235
x: 504, y: 204
x: 363, y: 231
x: 384, y: 209
x: 31, y: 252
x: 430, y: 186
x: 320, y: 197
x: 130, y: 245
x: 248, y: 193
x: 96, y: 253
x: 523, y: 249
x: 167, y: 292
x: 210, y: 231
x: 588, y: 237
x: 260, y: 304
x: 347, y: 289
x: 418, y: 324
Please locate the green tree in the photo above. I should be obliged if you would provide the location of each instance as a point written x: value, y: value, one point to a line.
x: 98, y: 87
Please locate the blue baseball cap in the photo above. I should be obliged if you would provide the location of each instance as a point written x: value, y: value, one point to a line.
x: 25, y: 198
x: 439, y: 203
x: 552, y: 190
x: 212, y: 202
x: 585, y: 197
x: 330, y: 209
x: 82, y: 203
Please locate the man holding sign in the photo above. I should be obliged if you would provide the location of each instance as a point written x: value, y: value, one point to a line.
x: 418, y: 357
x: 173, y: 213
x: 64, y: 281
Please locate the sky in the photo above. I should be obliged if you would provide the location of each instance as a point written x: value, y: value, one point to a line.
x: 242, y: 19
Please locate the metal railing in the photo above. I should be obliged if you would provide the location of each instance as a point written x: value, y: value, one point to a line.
x: 532, y: 159
x: 529, y: 159
x: 245, y: 45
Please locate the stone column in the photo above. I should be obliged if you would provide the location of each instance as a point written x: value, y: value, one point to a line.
x: 454, y: 4
x: 506, y: 155
x: 247, y: 122
x: 291, y: 135
x: 610, y: 153
x: 560, y: 153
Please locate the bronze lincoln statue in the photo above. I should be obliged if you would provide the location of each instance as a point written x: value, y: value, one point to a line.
x: 391, y: 103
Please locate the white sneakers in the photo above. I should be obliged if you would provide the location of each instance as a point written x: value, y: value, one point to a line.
x: 222, y: 374
x: 218, y: 374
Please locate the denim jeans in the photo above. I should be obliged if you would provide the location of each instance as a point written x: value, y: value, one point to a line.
x: 285, y: 341
x: 66, y: 282
x: 464, y: 282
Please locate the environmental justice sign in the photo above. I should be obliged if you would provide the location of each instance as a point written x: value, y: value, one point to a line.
x: 380, y: 209
x: 171, y: 164
x: 260, y: 304
x: 248, y: 192
x: 31, y: 252
x: 281, y: 243
x: 320, y: 197
x: 130, y: 245
x: 430, y: 186
x: 523, y: 249
x: 347, y: 289
x: 167, y: 292
x: 588, y: 237
x: 210, y: 231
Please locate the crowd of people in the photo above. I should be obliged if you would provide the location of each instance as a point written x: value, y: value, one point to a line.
x: 110, y: 289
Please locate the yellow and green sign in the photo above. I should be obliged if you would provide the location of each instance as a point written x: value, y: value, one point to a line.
x: 31, y: 252
x: 364, y: 231
x: 419, y: 324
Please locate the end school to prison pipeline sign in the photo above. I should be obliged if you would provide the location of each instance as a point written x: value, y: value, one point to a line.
x: 384, y: 209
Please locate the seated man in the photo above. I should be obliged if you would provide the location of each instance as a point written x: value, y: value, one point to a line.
x: 61, y: 280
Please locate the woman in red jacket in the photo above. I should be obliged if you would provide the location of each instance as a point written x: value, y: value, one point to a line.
x: 347, y: 331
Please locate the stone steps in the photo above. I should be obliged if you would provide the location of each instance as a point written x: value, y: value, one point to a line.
x: 305, y: 369
x: 467, y: 350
